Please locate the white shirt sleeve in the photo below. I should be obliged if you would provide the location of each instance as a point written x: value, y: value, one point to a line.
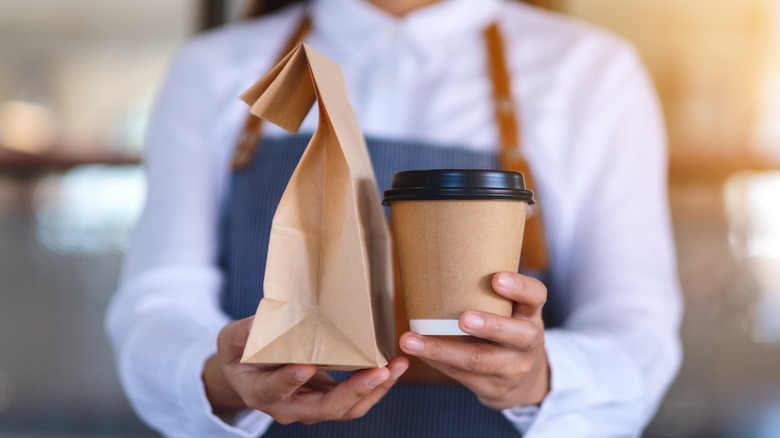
x: 618, y: 349
x: 165, y: 317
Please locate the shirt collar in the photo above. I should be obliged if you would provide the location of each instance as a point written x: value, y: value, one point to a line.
x: 350, y: 24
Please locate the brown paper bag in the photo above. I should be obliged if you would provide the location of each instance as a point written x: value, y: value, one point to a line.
x: 328, y: 279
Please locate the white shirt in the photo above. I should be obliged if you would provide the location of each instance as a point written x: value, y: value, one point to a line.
x: 593, y: 136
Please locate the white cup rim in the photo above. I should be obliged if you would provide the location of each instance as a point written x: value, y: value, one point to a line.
x: 438, y: 327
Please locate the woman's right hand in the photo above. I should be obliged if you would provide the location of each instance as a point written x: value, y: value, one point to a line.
x: 290, y: 393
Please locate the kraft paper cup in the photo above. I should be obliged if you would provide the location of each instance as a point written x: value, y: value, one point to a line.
x: 453, y: 230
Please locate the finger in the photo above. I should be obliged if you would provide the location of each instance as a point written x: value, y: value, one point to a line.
x: 528, y: 292
x: 280, y: 384
x: 474, y: 357
x: 476, y: 382
x: 397, y: 367
x: 321, y: 381
x: 500, y: 391
x: 522, y: 334
x: 337, y: 403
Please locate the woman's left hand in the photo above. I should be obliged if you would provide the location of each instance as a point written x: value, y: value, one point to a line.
x: 507, y: 366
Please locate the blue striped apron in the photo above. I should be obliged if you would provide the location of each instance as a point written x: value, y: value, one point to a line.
x: 407, y: 410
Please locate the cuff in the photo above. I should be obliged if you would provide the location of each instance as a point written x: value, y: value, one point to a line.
x: 521, y: 417
x: 567, y: 375
x: 564, y: 379
x: 251, y: 423
x: 595, y: 389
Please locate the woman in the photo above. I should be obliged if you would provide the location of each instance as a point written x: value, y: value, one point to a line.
x: 418, y: 75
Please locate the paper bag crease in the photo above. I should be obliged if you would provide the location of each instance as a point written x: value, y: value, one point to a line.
x: 328, y: 279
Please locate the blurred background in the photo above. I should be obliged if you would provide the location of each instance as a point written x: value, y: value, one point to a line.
x: 77, y: 80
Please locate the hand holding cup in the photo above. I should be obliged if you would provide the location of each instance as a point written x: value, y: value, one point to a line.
x: 505, y: 364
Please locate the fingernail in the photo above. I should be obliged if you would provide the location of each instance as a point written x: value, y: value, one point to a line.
x: 376, y: 382
x: 473, y: 322
x: 505, y: 281
x: 302, y: 375
x: 414, y: 343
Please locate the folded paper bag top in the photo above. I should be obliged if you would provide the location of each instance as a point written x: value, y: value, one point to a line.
x: 328, y: 278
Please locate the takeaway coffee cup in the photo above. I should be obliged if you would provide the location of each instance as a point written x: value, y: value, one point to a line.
x: 453, y: 230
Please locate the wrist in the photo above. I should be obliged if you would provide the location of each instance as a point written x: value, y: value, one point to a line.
x: 535, y: 387
x: 225, y: 402
x: 541, y: 383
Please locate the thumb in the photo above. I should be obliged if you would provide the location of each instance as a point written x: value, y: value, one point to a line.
x: 232, y: 338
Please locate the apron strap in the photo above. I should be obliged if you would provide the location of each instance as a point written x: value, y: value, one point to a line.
x: 534, y: 251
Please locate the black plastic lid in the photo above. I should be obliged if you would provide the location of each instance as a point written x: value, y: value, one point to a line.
x: 443, y: 184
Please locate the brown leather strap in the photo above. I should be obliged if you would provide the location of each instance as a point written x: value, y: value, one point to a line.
x: 534, y: 252
x: 250, y: 135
